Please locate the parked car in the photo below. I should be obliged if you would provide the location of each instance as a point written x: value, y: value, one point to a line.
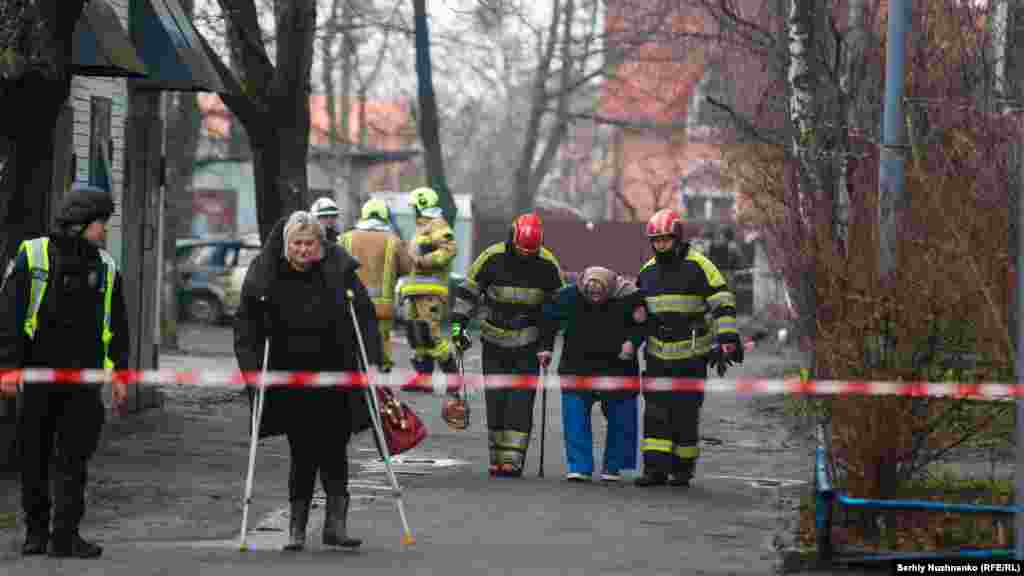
x: 210, y: 275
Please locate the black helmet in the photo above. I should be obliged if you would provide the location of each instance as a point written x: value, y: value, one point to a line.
x: 85, y: 204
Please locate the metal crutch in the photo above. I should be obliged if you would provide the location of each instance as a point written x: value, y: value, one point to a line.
x: 257, y: 415
x: 371, y: 399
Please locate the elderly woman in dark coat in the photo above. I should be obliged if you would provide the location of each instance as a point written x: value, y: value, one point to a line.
x: 600, y: 339
x: 295, y: 294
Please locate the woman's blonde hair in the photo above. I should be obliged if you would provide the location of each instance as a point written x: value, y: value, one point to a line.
x: 300, y: 221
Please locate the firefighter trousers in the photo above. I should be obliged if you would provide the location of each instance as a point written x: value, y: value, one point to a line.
x: 671, y: 441
x: 425, y: 314
x: 58, y: 424
x: 509, y: 412
x: 384, y: 327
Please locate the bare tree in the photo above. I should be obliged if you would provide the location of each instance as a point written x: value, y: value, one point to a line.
x: 348, y: 29
x: 35, y: 53
x: 273, y: 102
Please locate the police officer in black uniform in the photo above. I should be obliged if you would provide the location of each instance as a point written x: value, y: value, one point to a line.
x: 62, y: 307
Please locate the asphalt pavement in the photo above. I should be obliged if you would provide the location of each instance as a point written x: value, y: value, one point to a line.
x: 166, y: 488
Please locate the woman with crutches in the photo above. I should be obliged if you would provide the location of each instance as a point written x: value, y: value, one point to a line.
x: 295, y: 297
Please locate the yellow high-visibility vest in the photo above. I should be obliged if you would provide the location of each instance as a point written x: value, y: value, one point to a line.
x: 37, y: 254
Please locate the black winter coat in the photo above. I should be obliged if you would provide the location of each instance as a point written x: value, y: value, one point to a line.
x: 593, y: 334
x: 307, y: 318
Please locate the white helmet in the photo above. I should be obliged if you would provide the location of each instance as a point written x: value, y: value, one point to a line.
x: 324, y: 207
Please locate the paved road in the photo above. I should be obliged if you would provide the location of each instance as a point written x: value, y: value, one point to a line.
x: 165, y: 499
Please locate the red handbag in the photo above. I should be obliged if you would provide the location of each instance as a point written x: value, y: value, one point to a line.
x: 403, y: 429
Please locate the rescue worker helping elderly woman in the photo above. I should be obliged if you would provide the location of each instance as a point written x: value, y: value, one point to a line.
x: 690, y: 325
x: 295, y: 295
x: 507, y: 287
x: 601, y: 336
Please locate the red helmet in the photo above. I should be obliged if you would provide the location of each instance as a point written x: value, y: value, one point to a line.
x: 665, y: 222
x: 528, y: 233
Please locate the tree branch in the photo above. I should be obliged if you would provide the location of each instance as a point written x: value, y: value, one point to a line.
x: 248, y: 52
x: 743, y: 124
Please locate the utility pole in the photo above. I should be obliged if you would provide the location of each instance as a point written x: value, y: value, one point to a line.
x: 891, y: 195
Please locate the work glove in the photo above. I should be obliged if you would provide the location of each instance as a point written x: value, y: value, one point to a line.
x: 544, y: 357
x: 10, y: 382
x: 460, y: 338
x: 118, y: 394
x: 732, y: 348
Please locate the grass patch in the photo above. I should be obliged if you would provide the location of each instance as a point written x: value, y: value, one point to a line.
x: 921, y: 531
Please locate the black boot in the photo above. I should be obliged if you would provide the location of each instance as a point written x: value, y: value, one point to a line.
x: 336, y: 524
x: 35, y: 542
x: 449, y: 366
x: 682, y: 474
x: 73, y: 546
x: 652, y: 479
x: 299, y: 517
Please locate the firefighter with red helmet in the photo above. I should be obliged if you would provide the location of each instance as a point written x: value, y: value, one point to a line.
x: 690, y: 323
x: 507, y: 287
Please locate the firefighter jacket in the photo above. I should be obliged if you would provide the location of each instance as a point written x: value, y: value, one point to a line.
x: 432, y: 251
x: 382, y: 257
x: 59, y: 290
x: 688, y: 306
x: 508, y: 292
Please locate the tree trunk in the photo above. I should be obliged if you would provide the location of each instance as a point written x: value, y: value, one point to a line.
x: 802, y: 84
x: 44, y: 87
x: 279, y: 175
x: 524, y: 178
x: 430, y: 124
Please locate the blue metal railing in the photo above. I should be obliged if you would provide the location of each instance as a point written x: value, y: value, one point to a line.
x: 826, y: 495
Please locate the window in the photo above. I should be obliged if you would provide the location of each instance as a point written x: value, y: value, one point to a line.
x: 700, y: 207
x: 101, y: 144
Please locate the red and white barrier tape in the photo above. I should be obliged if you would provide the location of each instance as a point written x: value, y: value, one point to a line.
x: 439, y: 383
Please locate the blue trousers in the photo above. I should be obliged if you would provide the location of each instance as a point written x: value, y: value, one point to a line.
x: 621, y: 441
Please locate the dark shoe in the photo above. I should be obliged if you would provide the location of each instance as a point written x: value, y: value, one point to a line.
x: 297, y: 526
x: 35, y: 544
x: 679, y: 481
x: 449, y: 366
x: 509, y: 471
x: 651, y: 479
x: 336, y: 524
x: 74, y: 547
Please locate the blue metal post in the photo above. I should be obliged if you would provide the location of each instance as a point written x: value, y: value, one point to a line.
x: 891, y: 196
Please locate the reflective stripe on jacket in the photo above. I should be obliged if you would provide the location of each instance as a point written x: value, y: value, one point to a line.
x: 382, y: 260
x: 508, y: 292
x: 37, y: 254
x: 688, y: 305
